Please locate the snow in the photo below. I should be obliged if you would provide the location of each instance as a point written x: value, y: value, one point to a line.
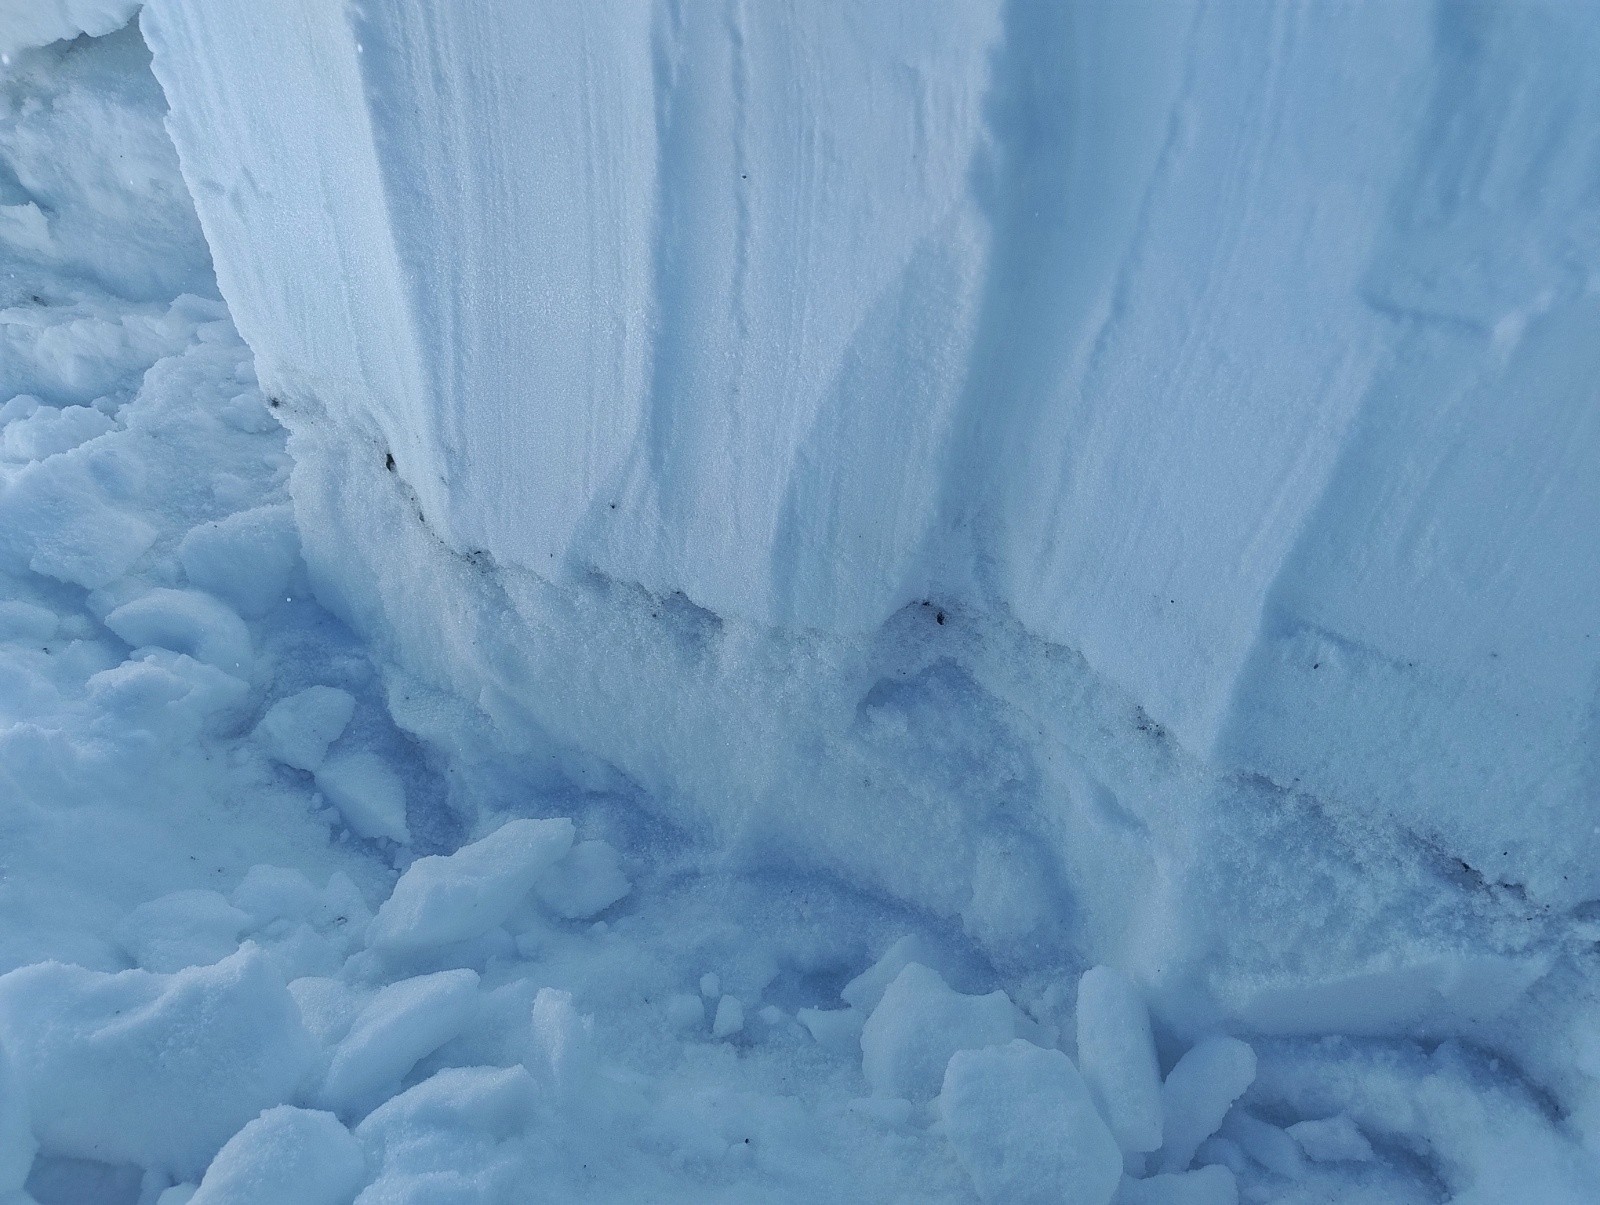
x: 1117, y: 1056
x: 917, y: 1027
x: 727, y: 603
x: 439, y: 900
x: 286, y: 1156
x: 1023, y: 1126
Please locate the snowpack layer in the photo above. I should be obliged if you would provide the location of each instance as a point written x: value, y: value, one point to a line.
x: 1246, y: 350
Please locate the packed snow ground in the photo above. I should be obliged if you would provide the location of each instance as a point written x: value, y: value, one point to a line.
x: 258, y: 937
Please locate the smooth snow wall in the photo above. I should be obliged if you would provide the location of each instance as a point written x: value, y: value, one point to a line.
x: 1247, y: 352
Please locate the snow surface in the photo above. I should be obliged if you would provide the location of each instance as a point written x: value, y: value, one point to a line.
x: 845, y: 816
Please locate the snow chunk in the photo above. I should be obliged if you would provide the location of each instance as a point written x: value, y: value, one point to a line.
x: 20, y: 621
x: 920, y: 1022
x: 298, y: 730
x: 183, y: 929
x: 1213, y: 1185
x: 867, y: 988
x: 440, y: 900
x: 425, y: 1128
x: 48, y: 431
x: 836, y: 1030
x: 17, y: 1145
x: 157, y: 1070
x: 40, y: 22
x: 729, y: 1019
x: 57, y: 517
x: 585, y: 882
x: 405, y: 1022
x: 247, y: 558
x: 287, y: 1156
x: 1118, y: 1058
x: 368, y: 794
x: 1198, y: 1094
x: 1022, y: 1124
x: 1332, y: 1140
x: 189, y: 622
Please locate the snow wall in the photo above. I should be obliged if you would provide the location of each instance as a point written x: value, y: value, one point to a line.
x: 1099, y: 472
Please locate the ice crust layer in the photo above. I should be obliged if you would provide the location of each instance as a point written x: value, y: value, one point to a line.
x: 1227, y: 372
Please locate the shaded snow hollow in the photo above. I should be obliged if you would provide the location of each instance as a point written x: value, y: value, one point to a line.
x: 537, y: 773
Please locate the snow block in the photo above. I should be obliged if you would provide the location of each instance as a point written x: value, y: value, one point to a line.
x: 1022, y: 1124
x: 439, y: 900
x: 367, y: 792
x: 405, y: 1022
x: 245, y: 559
x: 154, y: 1070
x: 1117, y: 1056
x: 1197, y: 1094
x: 920, y: 1022
x: 584, y: 883
x: 286, y: 1156
x: 188, y: 622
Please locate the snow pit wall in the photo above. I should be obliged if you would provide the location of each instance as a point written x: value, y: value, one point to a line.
x: 1225, y: 373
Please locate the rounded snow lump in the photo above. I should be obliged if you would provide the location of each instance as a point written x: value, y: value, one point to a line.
x: 186, y: 621
x: 442, y: 900
x: 286, y: 1156
x: 298, y: 730
x: 1021, y: 1122
x: 920, y: 1022
x: 156, y: 1070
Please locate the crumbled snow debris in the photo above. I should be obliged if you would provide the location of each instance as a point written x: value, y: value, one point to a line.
x: 710, y: 985
x: 402, y: 1024
x: 1212, y: 1185
x: 729, y: 1019
x: 866, y: 989
x: 445, y: 899
x: 328, y: 1006
x: 368, y: 794
x: 836, y: 1030
x: 188, y: 622
x: 1025, y: 1129
x: 1334, y: 1139
x: 186, y: 928
x: 586, y: 881
x: 17, y: 1143
x: 1117, y: 1056
x: 920, y: 1022
x: 1197, y: 1094
x: 157, y: 1070
x: 771, y: 1014
x: 247, y: 559
x: 286, y: 1156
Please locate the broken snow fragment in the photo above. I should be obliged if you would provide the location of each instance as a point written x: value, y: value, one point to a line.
x: 286, y: 1156
x: 186, y: 621
x: 867, y: 988
x: 182, y: 929
x: 246, y: 558
x: 368, y: 794
x: 920, y: 1022
x: 1332, y: 1140
x: 1117, y: 1056
x: 156, y: 1070
x: 440, y: 900
x: 729, y: 1019
x: 404, y: 1022
x: 298, y: 730
x: 585, y: 882
x: 1024, y: 1128
x: 1197, y: 1095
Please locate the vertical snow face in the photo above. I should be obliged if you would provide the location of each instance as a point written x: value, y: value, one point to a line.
x: 1243, y: 350
x: 681, y: 293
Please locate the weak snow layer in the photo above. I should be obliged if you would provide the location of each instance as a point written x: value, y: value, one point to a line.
x: 891, y: 603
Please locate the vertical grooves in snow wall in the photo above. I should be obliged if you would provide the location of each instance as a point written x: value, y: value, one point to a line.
x: 1225, y: 372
